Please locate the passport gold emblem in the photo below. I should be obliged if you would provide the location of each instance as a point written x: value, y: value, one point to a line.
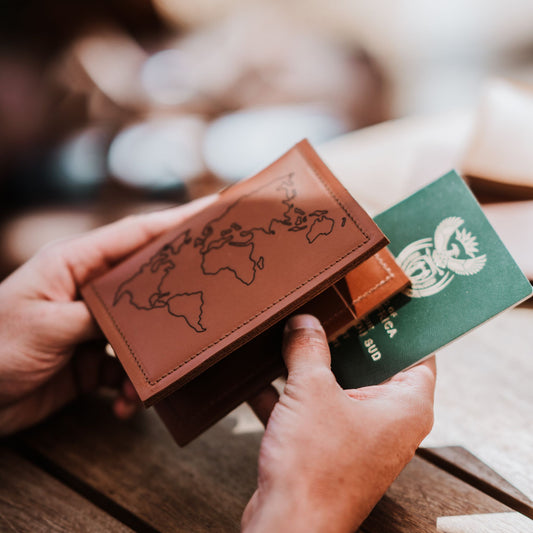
x: 431, y: 264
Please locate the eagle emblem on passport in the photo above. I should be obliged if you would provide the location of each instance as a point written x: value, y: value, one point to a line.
x: 431, y: 264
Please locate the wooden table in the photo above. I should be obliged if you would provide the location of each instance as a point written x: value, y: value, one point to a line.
x: 83, y: 471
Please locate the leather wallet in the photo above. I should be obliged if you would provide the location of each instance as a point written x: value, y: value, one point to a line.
x: 499, y: 159
x: 194, y: 317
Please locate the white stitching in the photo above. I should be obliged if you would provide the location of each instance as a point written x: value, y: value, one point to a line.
x: 382, y: 282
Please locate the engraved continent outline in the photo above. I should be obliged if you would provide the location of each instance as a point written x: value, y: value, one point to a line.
x: 211, y: 240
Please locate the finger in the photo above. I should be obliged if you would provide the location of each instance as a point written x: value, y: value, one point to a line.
x: 421, y: 377
x: 99, y: 249
x: 129, y: 392
x: 61, y: 389
x: 305, y: 345
x: 128, y: 402
x: 77, y: 323
x: 91, y: 368
x: 250, y: 510
x: 94, y: 370
x: 366, y: 393
x: 87, y: 370
x: 263, y: 403
x: 124, y: 409
x: 36, y: 406
x: 414, y: 389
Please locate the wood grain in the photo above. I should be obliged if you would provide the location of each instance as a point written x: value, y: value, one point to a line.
x: 463, y: 465
x: 484, y: 396
x: 202, y: 487
x: 420, y: 495
x: 32, y: 501
x: 488, y: 523
x: 205, y: 486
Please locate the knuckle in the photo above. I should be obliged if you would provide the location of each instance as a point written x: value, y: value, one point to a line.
x: 48, y: 250
x: 47, y: 255
x: 52, y: 250
x: 306, y: 340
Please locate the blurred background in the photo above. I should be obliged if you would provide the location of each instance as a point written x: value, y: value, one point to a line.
x: 111, y: 107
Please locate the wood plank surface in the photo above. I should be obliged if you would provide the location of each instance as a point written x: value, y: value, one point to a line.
x: 202, y: 487
x: 466, y: 466
x: 484, y: 397
x: 205, y: 486
x: 487, y: 523
x: 32, y: 501
x: 423, y: 493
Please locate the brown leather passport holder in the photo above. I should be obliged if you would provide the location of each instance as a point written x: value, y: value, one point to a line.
x: 211, y: 286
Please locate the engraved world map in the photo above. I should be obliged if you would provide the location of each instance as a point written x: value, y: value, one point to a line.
x: 224, y: 243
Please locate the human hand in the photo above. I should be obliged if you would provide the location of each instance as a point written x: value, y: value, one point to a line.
x: 328, y: 455
x: 43, y: 323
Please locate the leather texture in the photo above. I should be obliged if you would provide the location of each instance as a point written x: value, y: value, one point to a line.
x: 373, y: 282
x: 208, y: 287
x: 499, y: 159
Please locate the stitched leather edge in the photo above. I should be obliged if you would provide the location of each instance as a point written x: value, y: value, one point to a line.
x: 316, y: 174
x: 390, y: 276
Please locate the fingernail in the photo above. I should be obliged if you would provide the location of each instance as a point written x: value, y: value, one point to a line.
x: 303, y: 322
x: 124, y: 409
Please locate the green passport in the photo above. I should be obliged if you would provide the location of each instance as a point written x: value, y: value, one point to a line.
x: 461, y: 275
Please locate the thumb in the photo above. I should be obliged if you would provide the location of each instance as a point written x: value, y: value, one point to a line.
x: 305, y: 346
